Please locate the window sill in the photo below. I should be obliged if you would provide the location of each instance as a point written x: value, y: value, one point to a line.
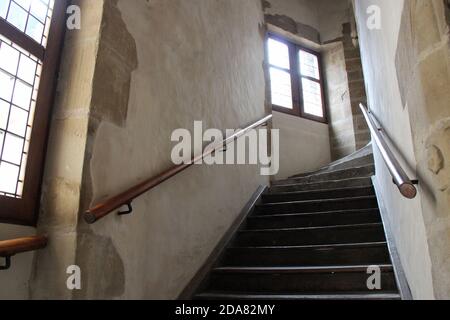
x: 294, y: 113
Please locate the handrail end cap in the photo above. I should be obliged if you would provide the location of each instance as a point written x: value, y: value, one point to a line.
x: 89, y: 217
x: 408, y: 190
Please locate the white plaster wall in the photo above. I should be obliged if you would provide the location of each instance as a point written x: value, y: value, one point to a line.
x: 304, y: 144
x: 378, y: 55
x: 197, y: 60
x: 14, y: 282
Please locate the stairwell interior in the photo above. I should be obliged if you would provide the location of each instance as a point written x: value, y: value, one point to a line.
x: 311, y: 237
x: 324, y: 227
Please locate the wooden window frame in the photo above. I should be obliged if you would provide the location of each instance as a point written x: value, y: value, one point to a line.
x: 296, y: 83
x: 24, y: 210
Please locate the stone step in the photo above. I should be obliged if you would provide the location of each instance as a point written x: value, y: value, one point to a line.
x: 318, y: 194
x: 331, y: 184
x: 365, y: 171
x: 277, y: 297
x: 375, y: 253
x: 358, y: 162
x: 298, y: 280
x: 310, y: 206
x: 316, y: 219
x: 361, y: 233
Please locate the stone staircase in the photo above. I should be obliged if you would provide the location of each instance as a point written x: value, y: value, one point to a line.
x: 311, y: 236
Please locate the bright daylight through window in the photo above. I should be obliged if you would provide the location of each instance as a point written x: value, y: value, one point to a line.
x: 296, y: 81
x: 19, y: 82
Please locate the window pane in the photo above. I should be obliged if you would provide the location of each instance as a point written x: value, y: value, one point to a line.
x: 2, y: 136
x: 281, y: 88
x: 4, y: 111
x: 24, y: 3
x: 309, y: 65
x: 35, y: 29
x: 9, y: 58
x: 12, y: 151
x: 39, y: 10
x: 6, y: 85
x: 8, y: 177
x: 4, y: 8
x: 312, y: 98
x: 278, y: 54
x: 18, y: 121
x: 30, y: 16
x: 17, y: 16
x: 27, y: 69
x: 22, y: 95
x: 16, y: 110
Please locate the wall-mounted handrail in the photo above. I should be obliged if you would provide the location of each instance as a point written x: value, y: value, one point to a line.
x: 125, y: 198
x: 9, y: 248
x: 401, y: 179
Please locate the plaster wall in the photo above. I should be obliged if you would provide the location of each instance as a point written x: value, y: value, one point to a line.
x: 304, y: 145
x: 15, y: 281
x: 183, y: 61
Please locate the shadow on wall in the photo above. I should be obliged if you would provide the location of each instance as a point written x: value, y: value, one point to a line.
x: 104, y: 276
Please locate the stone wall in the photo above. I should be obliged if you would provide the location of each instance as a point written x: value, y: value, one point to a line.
x: 407, y: 69
x: 63, y: 178
x: 423, y: 71
x: 342, y: 134
x: 346, y: 90
x: 356, y: 86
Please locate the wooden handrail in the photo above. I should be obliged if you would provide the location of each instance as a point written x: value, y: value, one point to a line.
x: 401, y: 179
x: 125, y: 198
x: 9, y: 248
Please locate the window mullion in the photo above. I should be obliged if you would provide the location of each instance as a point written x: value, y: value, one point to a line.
x: 312, y: 79
x: 296, y: 93
x: 279, y: 68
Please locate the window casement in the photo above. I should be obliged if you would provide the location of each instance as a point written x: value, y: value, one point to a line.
x: 296, y: 79
x: 31, y: 34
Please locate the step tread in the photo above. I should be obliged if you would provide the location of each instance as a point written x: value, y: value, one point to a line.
x: 321, y: 182
x: 366, y: 160
x: 300, y: 242
x: 309, y: 269
x: 317, y: 246
x: 317, y: 191
x: 349, y: 226
x: 287, y: 215
x: 371, y: 197
x: 325, y: 296
x: 314, y: 174
x: 346, y: 169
